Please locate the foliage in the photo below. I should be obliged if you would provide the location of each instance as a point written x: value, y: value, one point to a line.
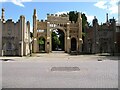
x: 58, y: 40
x: 55, y: 41
x: 73, y: 16
x: 83, y: 34
x: 41, y: 41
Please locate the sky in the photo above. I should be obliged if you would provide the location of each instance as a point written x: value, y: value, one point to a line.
x: 98, y: 8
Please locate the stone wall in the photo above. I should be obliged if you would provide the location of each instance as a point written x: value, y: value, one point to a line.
x: 16, y: 37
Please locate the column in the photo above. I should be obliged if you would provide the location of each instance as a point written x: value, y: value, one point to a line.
x: 48, y: 38
x: 67, y: 47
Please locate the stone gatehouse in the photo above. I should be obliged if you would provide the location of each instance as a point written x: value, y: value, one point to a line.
x: 72, y: 32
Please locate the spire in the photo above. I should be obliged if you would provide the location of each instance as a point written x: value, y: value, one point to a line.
x: 35, y: 12
x: 79, y: 16
x: 107, y: 17
x: 3, y: 17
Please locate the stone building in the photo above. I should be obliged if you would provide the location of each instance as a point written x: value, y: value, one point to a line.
x: 101, y: 38
x: 72, y: 32
x: 15, y: 36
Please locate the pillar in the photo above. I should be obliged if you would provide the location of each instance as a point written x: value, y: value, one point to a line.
x: 35, y: 32
x: 22, y: 28
x: 49, y: 46
x: 67, y: 47
x: 80, y: 41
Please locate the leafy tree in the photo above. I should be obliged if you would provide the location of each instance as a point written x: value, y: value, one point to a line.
x: 55, y: 41
x: 73, y: 16
x: 41, y: 41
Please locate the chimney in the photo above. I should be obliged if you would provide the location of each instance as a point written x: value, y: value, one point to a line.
x: 107, y: 17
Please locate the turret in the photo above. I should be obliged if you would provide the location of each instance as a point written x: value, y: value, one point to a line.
x: 79, y: 17
x: 34, y: 31
x: 95, y: 21
x: 3, y: 17
x: 34, y: 23
x: 107, y: 18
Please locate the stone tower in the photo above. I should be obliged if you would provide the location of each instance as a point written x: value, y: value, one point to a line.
x: 34, y: 31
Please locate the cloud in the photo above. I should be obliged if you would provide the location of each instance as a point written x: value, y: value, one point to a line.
x: 89, y: 17
x: 108, y: 5
x: 16, y: 2
x: 59, y: 13
x: 101, y: 4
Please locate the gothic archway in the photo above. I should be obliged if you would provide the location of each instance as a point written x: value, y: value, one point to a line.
x: 73, y: 44
x: 58, y: 40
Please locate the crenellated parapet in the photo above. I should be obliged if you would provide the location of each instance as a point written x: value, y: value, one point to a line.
x: 56, y: 15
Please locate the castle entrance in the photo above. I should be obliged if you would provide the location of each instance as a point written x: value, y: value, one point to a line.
x: 58, y: 40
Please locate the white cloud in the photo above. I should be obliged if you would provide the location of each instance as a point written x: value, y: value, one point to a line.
x: 89, y: 17
x: 109, y: 5
x: 16, y: 2
x: 101, y: 4
x: 59, y: 13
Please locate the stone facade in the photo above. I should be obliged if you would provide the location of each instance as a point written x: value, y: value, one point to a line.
x: 15, y: 36
x: 101, y: 38
x: 71, y: 30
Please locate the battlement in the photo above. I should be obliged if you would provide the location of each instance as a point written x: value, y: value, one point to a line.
x: 10, y: 20
x: 56, y: 15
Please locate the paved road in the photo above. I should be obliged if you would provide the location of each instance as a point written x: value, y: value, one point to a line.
x: 35, y: 72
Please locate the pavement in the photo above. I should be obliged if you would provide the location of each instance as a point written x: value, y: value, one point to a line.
x: 81, y: 71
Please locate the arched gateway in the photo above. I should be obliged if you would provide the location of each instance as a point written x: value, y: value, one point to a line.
x: 61, y: 22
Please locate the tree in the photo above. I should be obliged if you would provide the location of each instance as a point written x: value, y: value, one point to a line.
x: 55, y: 41
x: 73, y: 16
